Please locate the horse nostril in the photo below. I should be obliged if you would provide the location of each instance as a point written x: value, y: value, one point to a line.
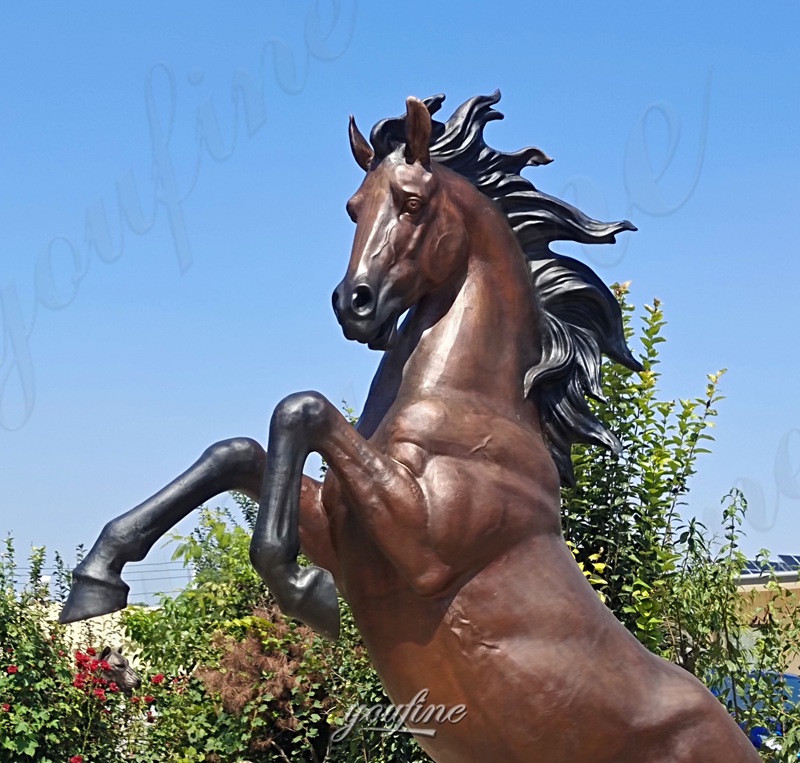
x: 335, y: 302
x: 363, y: 301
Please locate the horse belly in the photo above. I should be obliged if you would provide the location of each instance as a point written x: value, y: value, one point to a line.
x: 521, y: 703
x: 544, y: 672
x: 551, y: 703
x: 526, y: 675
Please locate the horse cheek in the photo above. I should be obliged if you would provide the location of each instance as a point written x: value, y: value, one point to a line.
x: 449, y: 256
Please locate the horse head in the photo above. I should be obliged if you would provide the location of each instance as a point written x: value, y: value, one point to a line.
x: 120, y: 670
x: 410, y: 236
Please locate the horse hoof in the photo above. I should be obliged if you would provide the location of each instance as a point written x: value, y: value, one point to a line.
x: 92, y: 597
x: 316, y: 602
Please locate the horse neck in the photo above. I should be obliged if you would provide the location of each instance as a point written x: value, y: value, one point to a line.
x: 479, y: 336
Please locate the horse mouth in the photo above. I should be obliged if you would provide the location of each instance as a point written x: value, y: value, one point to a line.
x: 387, y: 333
x: 368, y: 328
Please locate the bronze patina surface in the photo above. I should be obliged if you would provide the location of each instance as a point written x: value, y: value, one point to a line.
x: 439, y: 517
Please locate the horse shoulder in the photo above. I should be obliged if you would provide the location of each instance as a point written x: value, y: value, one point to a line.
x: 476, y: 440
x: 486, y: 480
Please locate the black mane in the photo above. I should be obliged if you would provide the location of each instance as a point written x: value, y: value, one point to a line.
x: 580, y: 317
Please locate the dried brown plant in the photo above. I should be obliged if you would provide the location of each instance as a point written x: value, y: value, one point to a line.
x: 256, y: 676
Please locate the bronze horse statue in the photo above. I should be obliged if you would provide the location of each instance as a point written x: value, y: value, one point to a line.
x: 439, y: 517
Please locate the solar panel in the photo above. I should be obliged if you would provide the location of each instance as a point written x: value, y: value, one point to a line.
x: 784, y: 563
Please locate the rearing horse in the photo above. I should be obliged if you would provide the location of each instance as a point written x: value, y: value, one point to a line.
x: 439, y: 517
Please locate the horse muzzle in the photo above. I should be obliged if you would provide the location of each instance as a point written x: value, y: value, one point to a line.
x: 362, y: 317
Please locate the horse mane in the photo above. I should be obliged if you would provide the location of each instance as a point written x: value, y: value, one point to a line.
x: 580, y: 318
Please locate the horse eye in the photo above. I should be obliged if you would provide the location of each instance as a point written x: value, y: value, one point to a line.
x: 412, y: 205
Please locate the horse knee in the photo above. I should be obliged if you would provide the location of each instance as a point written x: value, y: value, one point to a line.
x: 301, y: 410
x: 240, y: 454
x: 115, y: 533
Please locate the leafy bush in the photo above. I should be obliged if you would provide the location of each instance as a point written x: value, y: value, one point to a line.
x: 622, y: 509
x: 254, y: 685
x: 55, y: 705
x: 669, y: 580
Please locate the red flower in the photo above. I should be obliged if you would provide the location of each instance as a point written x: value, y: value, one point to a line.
x: 157, y: 678
x: 103, y: 665
x: 79, y: 682
x: 81, y: 658
x: 5, y: 707
x: 149, y: 698
x: 112, y: 687
x: 91, y: 651
x: 14, y: 669
x: 76, y: 759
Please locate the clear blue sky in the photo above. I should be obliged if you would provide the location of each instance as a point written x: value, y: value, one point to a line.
x: 211, y: 301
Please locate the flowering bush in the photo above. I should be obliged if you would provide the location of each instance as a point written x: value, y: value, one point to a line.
x: 55, y: 706
x: 263, y: 689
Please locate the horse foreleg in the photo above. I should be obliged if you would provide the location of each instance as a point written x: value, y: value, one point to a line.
x: 238, y: 464
x: 384, y: 490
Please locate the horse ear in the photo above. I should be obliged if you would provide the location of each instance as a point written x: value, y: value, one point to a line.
x: 106, y: 651
x: 418, y: 132
x: 362, y: 151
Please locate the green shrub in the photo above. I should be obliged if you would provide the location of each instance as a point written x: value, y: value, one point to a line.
x: 669, y: 580
x: 253, y: 685
x: 54, y: 705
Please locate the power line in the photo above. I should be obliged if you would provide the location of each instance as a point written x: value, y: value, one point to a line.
x: 132, y: 565
x: 154, y: 593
